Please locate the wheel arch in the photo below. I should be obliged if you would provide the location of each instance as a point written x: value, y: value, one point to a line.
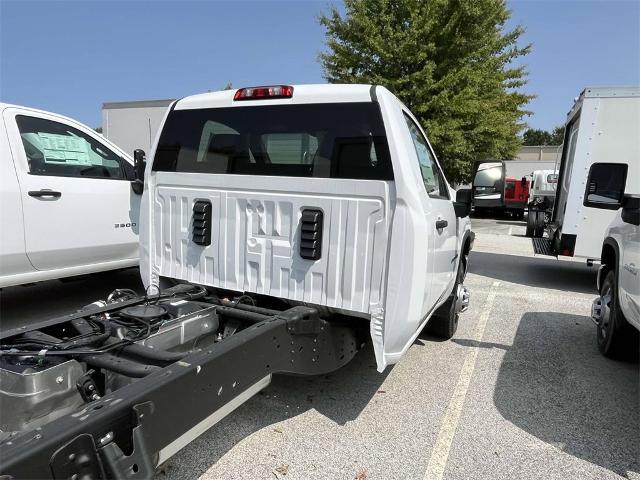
x: 467, y: 242
x: 608, y: 258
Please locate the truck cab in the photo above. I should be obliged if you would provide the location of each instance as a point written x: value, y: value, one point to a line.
x: 321, y: 195
x: 66, y: 193
x: 279, y: 227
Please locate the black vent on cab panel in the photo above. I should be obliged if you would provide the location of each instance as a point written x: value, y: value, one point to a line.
x: 202, y: 222
x: 311, y: 234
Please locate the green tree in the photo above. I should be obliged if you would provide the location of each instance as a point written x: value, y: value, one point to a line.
x: 534, y: 136
x: 557, y: 136
x: 450, y: 61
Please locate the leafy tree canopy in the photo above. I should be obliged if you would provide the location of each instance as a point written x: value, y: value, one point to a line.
x: 450, y: 61
x: 533, y: 136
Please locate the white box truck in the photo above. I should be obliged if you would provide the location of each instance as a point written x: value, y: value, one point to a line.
x: 133, y: 125
x: 600, y: 159
x: 280, y: 226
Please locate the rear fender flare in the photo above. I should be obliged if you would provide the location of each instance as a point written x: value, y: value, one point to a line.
x: 609, y: 242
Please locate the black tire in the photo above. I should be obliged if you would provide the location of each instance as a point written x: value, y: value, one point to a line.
x: 616, y: 338
x: 531, y: 222
x: 444, y: 321
x: 539, y: 224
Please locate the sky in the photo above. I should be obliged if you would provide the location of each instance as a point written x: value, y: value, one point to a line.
x: 70, y: 57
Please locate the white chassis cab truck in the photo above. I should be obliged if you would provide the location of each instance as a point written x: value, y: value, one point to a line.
x: 600, y: 156
x: 280, y: 226
x: 67, y: 206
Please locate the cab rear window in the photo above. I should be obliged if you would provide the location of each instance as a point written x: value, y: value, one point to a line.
x: 337, y: 140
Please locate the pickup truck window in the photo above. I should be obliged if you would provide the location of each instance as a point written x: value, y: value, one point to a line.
x: 329, y: 140
x: 55, y: 149
x: 431, y: 175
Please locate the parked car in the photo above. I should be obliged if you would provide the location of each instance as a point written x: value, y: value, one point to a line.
x: 600, y: 161
x: 616, y: 311
x: 280, y: 225
x: 67, y: 206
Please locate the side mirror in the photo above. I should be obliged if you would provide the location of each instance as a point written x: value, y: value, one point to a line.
x: 139, y: 164
x: 631, y: 209
x: 552, y: 178
x: 605, y: 185
x: 462, y: 205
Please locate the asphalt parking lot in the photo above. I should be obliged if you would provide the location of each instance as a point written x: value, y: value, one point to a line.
x: 520, y: 391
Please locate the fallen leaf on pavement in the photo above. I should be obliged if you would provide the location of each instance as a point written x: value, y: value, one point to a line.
x: 280, y: 471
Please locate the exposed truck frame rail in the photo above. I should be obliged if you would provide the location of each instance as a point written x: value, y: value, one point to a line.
x: 128, y: 433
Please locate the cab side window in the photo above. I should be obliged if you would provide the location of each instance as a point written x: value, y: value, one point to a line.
x: 56, y: 149
x: 431, y: 174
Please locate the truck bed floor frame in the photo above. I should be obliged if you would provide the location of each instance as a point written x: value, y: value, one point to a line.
x: 128, y: 433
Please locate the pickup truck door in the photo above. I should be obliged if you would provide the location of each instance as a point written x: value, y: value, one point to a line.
x: 441, y: 220
x: 78, y: 206
x: 629, y: 287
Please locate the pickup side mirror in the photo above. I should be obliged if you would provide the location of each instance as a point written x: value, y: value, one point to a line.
x: 139, y: 164
x: 631, y: 209
x: 552, y: 178
x: 605, y: 185
x: 462, y: 205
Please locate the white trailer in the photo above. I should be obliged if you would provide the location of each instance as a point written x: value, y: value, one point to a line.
x: 133, y: 125
x: 600, y: 159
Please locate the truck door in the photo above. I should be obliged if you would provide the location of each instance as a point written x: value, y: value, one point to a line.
x: 566, y: 170
x: 441, y: 219
x: 78, y: 206
x: 629, y: 286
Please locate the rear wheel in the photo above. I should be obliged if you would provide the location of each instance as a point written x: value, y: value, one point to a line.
x: 616, y: 338
x: 539, y: 230
x: 531, y: 222
x: 535, y: 223
x: 444, y: 321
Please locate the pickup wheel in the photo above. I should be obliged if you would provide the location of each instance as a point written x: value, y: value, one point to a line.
x: 444, y: 321
x: 616, y: 338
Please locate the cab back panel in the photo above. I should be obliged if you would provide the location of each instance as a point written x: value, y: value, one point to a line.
x: 255, y: 237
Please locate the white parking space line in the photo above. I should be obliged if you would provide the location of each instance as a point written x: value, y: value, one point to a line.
x: 440, y: 453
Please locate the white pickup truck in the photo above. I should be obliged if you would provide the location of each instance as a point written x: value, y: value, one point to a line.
x: 616, y: 311
x: 67, y: 206
x: 279, y: 226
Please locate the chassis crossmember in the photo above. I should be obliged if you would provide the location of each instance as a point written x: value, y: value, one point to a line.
x: 127, y: 433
